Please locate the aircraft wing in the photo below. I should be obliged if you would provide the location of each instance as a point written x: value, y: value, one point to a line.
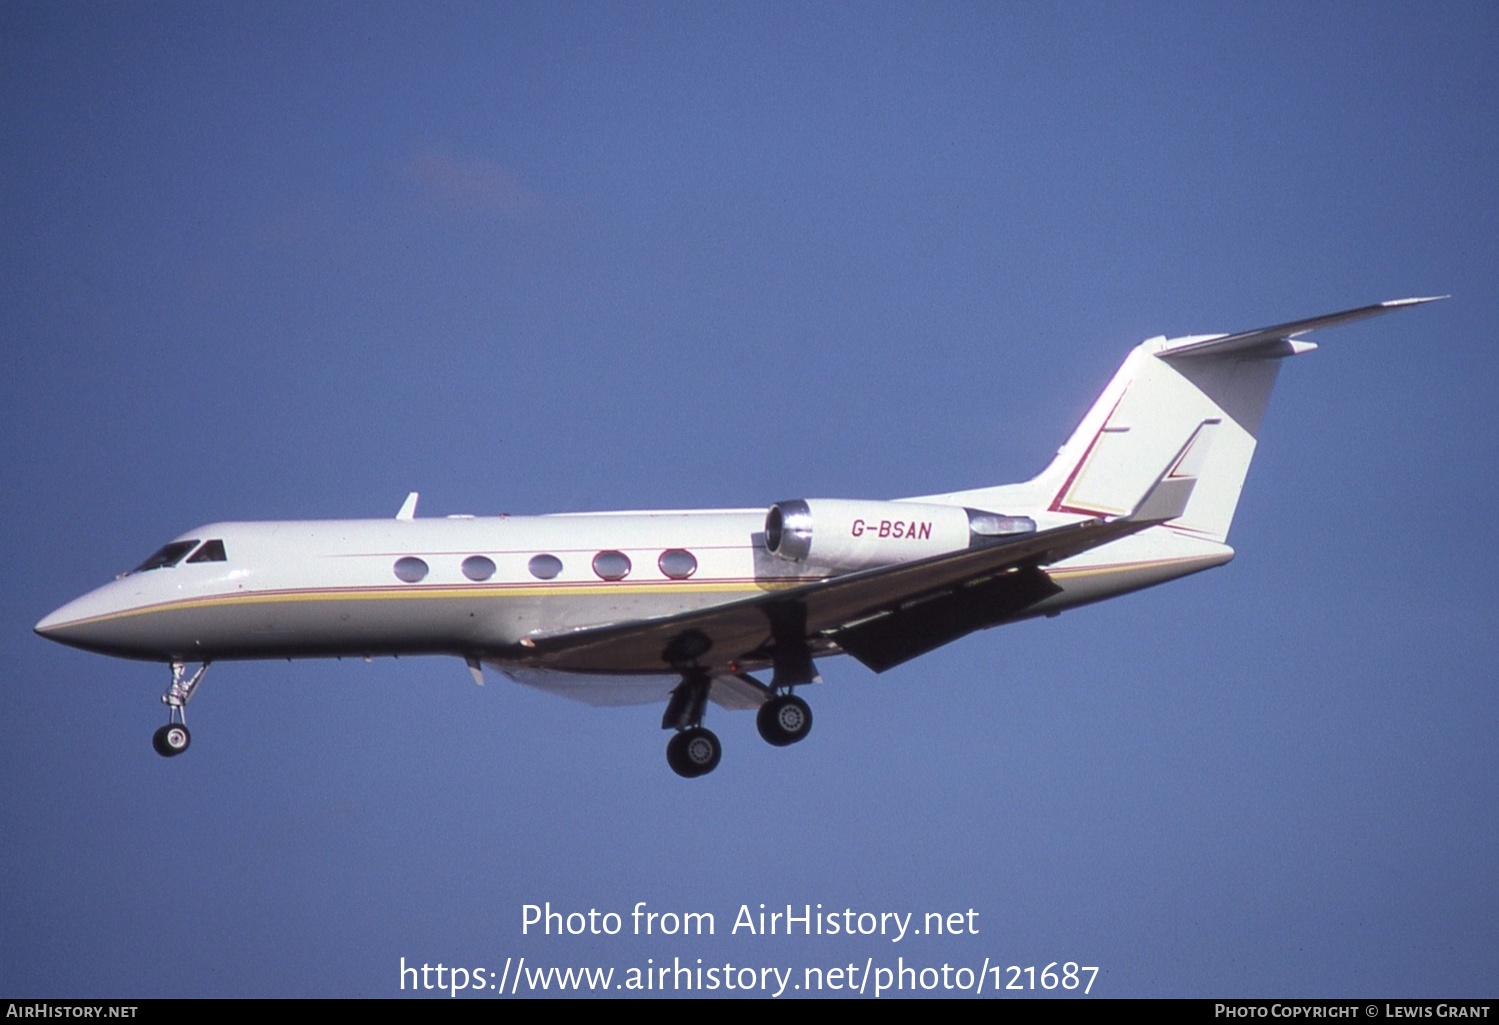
x: 882, y: 616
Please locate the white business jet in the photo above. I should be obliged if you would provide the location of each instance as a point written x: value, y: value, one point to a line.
x: 686, y: 607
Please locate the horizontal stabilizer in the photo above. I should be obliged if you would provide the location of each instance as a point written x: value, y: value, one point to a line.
x: 1279, y: 340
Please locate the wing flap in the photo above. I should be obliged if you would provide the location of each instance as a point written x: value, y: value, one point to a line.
x: 914, y: 629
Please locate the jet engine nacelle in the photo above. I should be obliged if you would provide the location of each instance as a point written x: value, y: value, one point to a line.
x: 838, y: 534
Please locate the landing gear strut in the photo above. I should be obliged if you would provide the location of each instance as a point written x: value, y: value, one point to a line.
x: 694, y: 750
x: 173, y: 738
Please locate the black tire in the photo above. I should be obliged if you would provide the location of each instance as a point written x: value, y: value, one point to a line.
x: 693, y: 752
x: 171, y: 740
x: 784, y: 720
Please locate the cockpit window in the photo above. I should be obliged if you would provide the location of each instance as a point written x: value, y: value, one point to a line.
x: 212, y: 551
x: 167, y: 555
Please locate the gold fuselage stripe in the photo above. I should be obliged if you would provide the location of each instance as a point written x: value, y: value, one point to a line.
x: 412, y: 591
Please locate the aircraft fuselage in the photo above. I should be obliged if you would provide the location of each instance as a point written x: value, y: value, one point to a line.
x: 481, y: 586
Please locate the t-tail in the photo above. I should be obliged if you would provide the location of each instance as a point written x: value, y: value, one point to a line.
x: 1194, y: 404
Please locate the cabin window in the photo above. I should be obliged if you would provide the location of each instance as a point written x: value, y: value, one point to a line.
x: 212, y: 551
x: 677, y: 563
x: 544, y: 567
x: 410, y: 569
x: 167, y: 555
x: 478, y: 567
x: 611, y: 565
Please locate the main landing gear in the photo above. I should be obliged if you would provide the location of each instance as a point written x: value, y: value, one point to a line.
x: 784, y: 720
x: 173, y: 738
x: 694, y: 750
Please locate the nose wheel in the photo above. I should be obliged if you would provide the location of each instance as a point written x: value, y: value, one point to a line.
x: 173, y: 738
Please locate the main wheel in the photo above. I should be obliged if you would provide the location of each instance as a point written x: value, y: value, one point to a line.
x: 171, y: 740
x: 784, y: 720
x: 693, y: 752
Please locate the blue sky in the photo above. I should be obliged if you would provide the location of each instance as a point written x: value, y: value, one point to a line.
x: 266, y: 264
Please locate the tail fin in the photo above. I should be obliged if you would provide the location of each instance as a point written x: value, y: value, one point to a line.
x: 1198, y: 401
x: 1158, y: 402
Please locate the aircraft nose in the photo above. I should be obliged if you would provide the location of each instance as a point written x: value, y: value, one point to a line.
x: 88, y: 622
x: 53, y: 623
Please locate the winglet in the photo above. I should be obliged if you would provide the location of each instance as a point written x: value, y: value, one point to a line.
x: 408, y: 508
x: 1168, y: 497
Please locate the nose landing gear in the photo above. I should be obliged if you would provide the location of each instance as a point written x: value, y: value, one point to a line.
x: 173, y: 738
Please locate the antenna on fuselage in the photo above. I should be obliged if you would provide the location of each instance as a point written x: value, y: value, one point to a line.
x: 408, y: 507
